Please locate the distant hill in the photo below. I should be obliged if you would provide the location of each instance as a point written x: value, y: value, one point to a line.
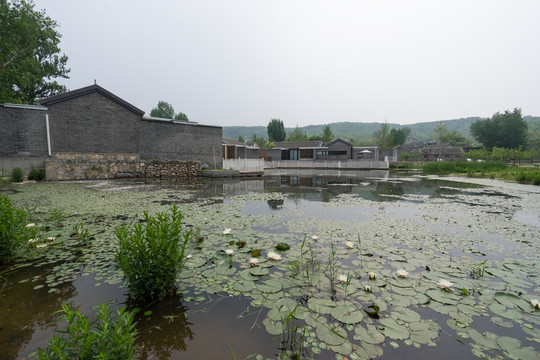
x: 362, y: 133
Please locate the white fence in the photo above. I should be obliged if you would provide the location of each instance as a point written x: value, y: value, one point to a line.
x: 244, y: 164
x: 329, y: 164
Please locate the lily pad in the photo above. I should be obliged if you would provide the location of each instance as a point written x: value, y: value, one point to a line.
x: 443, y: 297
x: 347, y: 314
x: 393, y: 330
x: 331, y: 334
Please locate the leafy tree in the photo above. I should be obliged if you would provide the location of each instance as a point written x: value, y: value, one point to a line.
x: 297, y: 135
x: 315, y: 138
x: 507, y: 130
x: 241, y: 138
x: 276, y: 130
x: 398, y: 136
x: 327, y: 134
x: 29, y: 54
x: 163, y: 110
x: 259, y: 141
x: 443, y: 135
x: 181, y: 117
x: 382, y: 136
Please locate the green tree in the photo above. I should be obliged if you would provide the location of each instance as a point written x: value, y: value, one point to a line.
x: 297, y: 135
x: 259, y: 141
x: 241, y: 138
x: 445, y: 136
x: 29, y: 54
x: 327, y: 134
x: 276, y: 130
x: 398, y: 136
x: 507, y: 130
x: 181, y: 117
x: 163, y: 110
x: 382, y: 136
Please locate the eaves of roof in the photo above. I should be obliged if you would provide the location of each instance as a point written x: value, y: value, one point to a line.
x: 88, y: 90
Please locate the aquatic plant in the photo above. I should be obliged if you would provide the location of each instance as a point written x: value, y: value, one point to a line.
x: 15, y: 230
x: 106, y: 337
x: 152, y: 256
x: 402, y: 273
x: 478, y: 270
x: 445, y: 284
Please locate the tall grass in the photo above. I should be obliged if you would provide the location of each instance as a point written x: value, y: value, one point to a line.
x: 151, y: 256
x: 14, y: 230
x: 462, y: 167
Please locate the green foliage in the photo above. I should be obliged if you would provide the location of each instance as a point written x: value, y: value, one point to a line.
x: 152, y: 256
x: 327, y: 134
x: 463, y: 167
x: 398, y: 136
x: 445, y: 136
x: 507, y: 130
x: 29, y: 54
x: 478, y: 270
x: 37, y: 174
x: 297, y: 135
x: 104, y: 338
x: 14, y: 232
x: 262, y: 142
x: 181, y: 117
x: 276, y: 130
x: 241, y: 138
x: 382, y: 136
x: 17, y: 175
x: 163, y: 110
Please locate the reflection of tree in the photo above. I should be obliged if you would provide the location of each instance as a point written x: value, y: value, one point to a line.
x: 389, y: 189
x: 164, y: 330
x: 275, y: 204
x: 25, y: 309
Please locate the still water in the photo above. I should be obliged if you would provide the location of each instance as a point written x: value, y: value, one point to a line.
x: 431, y: 228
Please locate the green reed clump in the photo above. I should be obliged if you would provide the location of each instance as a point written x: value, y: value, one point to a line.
x: 17, y: 175
x: 15, y: 230
x: 106, y: 337
x: 36, y: 174
x: 151, y: 256
x: 463, y: 167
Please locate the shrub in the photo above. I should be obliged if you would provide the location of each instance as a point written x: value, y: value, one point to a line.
x: 14, y: 229
x: 36, y: 174
x: 152, y: 256
x: 17, y: 175
x: 104, y: 338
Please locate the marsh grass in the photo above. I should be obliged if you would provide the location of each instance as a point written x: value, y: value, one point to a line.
x: 106, y: 337
x: 151, y: 256
x: 14, y: 233
x: 17, y: 175
x: 292, y: 337
x: 463, y: 167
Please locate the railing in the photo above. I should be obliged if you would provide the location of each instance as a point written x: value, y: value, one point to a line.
x: 244, y: 164
x: 329, y: 164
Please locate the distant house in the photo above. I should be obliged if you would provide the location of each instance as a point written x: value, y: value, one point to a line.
x: 441, y: 152
x: 295, y: 150
x: 234, y: 149
x: 337, y: 149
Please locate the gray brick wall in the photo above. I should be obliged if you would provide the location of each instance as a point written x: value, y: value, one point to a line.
x: 93, y: 123
x: 22, y: 132
x: 163, y: 140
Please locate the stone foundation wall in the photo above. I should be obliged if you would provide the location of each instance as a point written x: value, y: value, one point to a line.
x: 77, y: 166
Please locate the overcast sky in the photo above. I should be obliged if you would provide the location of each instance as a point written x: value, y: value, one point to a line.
x: 244, y: 62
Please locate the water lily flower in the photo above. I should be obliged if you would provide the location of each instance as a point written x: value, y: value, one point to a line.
x: 342, y: 278
x: 274, y: 256
x: 227, y: 231
x: 367, y: 288
x: 229, y: 252
x: 32, y: 240
x: 314, y: 237
x: 51, y: 238
x: 372, y: 275
x: 30, y: 225
x: 402, y: 273
x: 188, y: 256
x: 253, y: 261
x: 445, y: 284
x: 41, y: 246
x: 535, y: 303
x: 349, y: 245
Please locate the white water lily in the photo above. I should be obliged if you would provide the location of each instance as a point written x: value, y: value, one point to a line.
x: 314, y: 237
x: 342, y: 278
x: 32, y: 240
x: 274, y: 256
x: 227, y: 231
x: 253, y: 261
x: 30, y: 225
x: 188, y: 256
x: 535, y: 303
x: 229, y: 252
x: 367, y: 288
x: 51, y: 238
x: 445, y: 284
x: 349, y: 245
x: 402, y: 273
x: 41, y: 246
x: 372, y: 275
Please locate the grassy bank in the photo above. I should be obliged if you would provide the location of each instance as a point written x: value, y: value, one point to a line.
x: 488, y: 169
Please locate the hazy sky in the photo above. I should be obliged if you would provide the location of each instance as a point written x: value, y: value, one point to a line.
x: 243, y: 62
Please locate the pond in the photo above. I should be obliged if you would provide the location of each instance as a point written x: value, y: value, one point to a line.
x: 317, y: 300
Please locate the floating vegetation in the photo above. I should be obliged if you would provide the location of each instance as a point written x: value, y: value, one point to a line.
x: 422, y: 263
